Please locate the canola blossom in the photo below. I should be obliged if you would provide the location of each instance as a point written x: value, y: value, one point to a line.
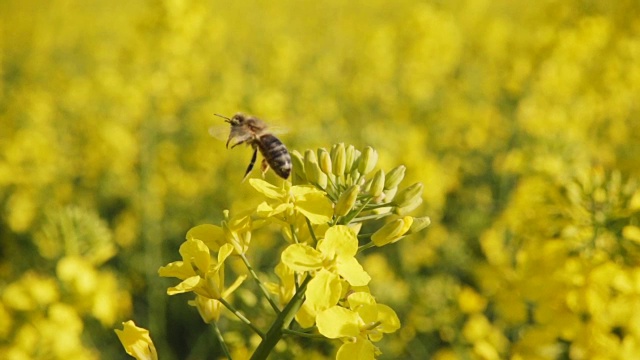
x: 315, y: 274
x: 514, y: 128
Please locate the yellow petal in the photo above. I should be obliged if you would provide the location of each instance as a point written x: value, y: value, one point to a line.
x: 224, y: 253
x: 266, y: 189
x: 176, y: 269
x: 315, y: 206
x: 264, y: 210
x: 353, y: 272
x: 136, y: 341
x: 301, y: 257
x: 306, y: 316
x: 365, y: 305
x: 211, y: 235
x: 337, y: 322
x: 388, y: 319
x: 324, y: 290
x: 196, y: 254
x: 187, y: 285
x: 340, y: 240
x: 362, y: 349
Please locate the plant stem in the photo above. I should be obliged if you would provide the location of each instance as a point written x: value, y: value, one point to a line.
x: 302, y: 334
x: 264, y: 290
x: 241, y: 317
x: 313, y: 235
x: 293, y: 234
x: 223, y: 344
x: 365, y: 247
x: 370, y: 217
x: 281, y: 322
x: 347, y: 219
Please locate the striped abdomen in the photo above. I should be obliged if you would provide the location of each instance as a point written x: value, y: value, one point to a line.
x: 276, y: 154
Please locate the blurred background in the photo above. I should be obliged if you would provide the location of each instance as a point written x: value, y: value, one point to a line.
x: 520, y: 118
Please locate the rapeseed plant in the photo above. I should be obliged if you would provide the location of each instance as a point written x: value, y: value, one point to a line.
x: 322, y: 284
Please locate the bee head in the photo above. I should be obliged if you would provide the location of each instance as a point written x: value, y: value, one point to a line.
x: 237, y: 119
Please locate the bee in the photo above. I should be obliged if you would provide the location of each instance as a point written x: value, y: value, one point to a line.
x: 253, y: 131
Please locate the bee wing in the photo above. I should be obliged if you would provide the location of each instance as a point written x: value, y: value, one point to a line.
x: 278, y: 129
x: 220, y: 132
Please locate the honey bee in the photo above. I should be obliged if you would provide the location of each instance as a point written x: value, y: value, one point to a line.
x: 253, y: 131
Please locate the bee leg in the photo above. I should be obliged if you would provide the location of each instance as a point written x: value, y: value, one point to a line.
x: 250, y: 167
x: 264, y: 167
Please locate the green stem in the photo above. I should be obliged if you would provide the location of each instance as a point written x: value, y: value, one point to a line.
x: 377, y: 206
x: 223, y: 344
x: 241, y: 317
x: 293, y: 234
x: 347, y: 219
x: 313, y: 235
x: 282, y: 322
x: 371, y: 217
x: 303, y: 334
x: 365, y: 247
x: 264, y: 290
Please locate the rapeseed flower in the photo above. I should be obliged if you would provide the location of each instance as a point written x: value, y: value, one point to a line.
x: 363, y: 322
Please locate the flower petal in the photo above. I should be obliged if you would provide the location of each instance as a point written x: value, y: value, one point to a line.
x: 211, y: 235
x: 337, y: 322
x: 136, y: 341
x: 388, y: 319
x: 176, y: 269
x: 187, y: 285
x: 301, y: 257
x: 362, y: 349
x: 315, y: 206
x: 194, y: 252
x: 365, y: 305
x: 324, y: 290
x: 340, y: 240
x: 266, y: 189
x: 353, y: 272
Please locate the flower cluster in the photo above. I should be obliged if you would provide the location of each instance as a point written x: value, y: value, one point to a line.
x: 322, y: 284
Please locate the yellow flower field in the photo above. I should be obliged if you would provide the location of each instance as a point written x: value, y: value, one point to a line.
x: 484, y: 155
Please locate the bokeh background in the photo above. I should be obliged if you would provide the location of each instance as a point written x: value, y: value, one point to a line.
x: 521, y: 118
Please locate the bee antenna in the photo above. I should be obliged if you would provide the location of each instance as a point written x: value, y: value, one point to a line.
x: 224, y: 117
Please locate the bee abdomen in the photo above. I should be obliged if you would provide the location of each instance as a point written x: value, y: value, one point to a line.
x: 276, y: 155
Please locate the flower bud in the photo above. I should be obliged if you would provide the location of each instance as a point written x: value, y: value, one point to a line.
x: 377, y: 185
x: 298, y: 168
x: 209, y: 309
x: 419, y: 224
x: 351, y: 155
x: 368, y: 160
x: 392, y: 231
x: 324, y: 159
x: 390, y: 194
x: 408, y: 195
x: 338, y: 159
x: 394, y: 177
x: 312, y: 169
x: 347, y: 200
x: 408, y: 199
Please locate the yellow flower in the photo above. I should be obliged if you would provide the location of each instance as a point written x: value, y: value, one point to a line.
x: 235, y: 231
x: 333, y: 259
x: 291, y: 200
x: 363, y: 322
x: 136, y: 341
x: 198, y: 272
x: 335, y: 253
